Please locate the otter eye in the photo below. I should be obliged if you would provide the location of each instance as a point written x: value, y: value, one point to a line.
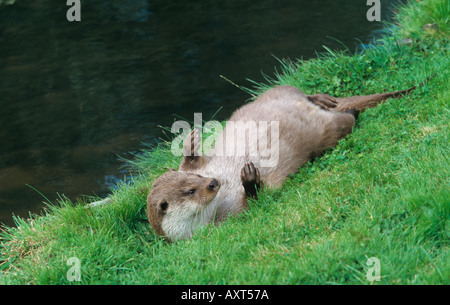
x: 164, y: 206
x: 191, y: 192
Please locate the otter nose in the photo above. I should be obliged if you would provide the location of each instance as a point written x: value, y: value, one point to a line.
x: 213, y: 184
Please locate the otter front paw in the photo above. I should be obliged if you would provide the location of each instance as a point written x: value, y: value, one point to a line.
x: 251, y: 179
x: 192, y: 144
x: 193, y: 158
x: 324, y: 101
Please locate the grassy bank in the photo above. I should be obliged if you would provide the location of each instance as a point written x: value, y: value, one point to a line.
x: 383, y: 192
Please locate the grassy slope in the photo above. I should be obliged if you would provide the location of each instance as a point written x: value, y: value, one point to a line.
x: 383, y: 192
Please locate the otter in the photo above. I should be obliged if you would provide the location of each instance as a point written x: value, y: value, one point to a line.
x: 209, y: 188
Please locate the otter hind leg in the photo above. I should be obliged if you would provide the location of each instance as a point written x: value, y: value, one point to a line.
x: 354, y: 112
x: 340, y: 126
x: 324, y: 101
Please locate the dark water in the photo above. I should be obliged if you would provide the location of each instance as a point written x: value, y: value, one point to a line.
x: 75, y: 96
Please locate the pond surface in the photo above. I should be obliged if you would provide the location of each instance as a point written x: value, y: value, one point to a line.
x: 74, y: 96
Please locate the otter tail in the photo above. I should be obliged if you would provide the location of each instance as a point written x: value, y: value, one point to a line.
x: 362, y: 102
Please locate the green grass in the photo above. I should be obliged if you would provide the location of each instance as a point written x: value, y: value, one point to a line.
x: 383, y: 192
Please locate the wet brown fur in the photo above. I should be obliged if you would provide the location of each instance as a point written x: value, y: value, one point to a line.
x: 308, y: 125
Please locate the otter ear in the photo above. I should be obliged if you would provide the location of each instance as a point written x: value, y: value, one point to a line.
x: 163, y: 207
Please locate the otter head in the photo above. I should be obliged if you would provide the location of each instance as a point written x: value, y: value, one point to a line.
x: 179, y: 202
